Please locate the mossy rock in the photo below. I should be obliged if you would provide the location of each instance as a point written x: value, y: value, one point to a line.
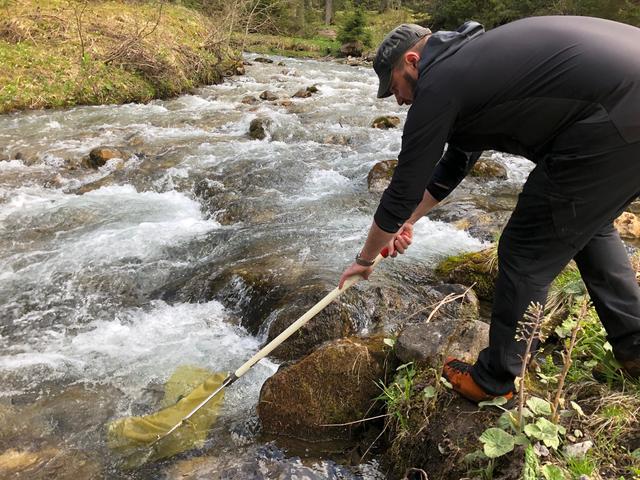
x: 479, y: 268
x: 258, y: 128
x: 380, y: 175
x: 335, y: 384
x: 386, y: 122
x: 486, y: 168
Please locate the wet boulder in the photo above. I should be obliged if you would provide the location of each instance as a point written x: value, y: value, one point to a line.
x: 390, y: 307
x: 249, y: 100
x: 262, y: 60
x: 628, y: 225
x: 333, y: 322
x: 476, y: 268
x: 334, y: 384
x: 306, y: 92
x: 335, y: 139
x: 268, y: 95
x: 380, y: 175
x: 101, y: 155
x: 302, y: 93
x: 352, y: 49
x: 258, y: 128
x: 430, y: 343
x: 385, y: 122
x: 486, y: 168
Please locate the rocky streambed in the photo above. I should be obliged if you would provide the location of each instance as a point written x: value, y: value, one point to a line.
x: 139, y: 238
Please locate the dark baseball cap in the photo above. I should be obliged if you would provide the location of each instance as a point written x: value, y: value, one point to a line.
x: 398, y: 41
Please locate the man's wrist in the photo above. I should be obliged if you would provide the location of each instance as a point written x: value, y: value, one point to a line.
x: 363, y: 262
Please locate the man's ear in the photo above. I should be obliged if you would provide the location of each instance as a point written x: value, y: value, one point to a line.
x: 412, y: 58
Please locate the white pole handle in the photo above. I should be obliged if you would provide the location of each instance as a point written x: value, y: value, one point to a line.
x: 313, y: 311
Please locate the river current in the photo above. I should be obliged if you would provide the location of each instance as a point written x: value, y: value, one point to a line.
x: 96, y: 309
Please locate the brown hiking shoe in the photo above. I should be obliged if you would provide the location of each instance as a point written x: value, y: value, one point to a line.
x: 459, y: 375
x: 632, y: 367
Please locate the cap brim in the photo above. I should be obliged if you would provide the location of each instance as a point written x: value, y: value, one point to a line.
x: 385, y: 85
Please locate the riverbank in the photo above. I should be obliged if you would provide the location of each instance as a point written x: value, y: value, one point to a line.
x: 61, y: 54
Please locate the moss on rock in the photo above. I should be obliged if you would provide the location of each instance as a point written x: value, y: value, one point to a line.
x: 333, y: 385
x: 479, y: 268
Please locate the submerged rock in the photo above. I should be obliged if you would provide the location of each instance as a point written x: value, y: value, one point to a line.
x: 386, y: 122
x: 380, y: 175
x: 306, y: 92
x: 487, y: 168
x: 99, y: 156
x: 249, y: 100
x: 335, y: 139
x: 262, y: 60
x: 47, y: 463
x: 432, y: 342
x: 628, y: 225
x: 269, y: 96
x: 334, y: 384
x: 257, y: 128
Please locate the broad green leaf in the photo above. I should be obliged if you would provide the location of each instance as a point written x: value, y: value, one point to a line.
x: 539, y: 406
x: 521, y: 439
x: 389, y: 341
x: 552, y: 472
x: 496, y: 402
x: 636, y: 454
x: 429, y: 392
x: 508, y: 420
x: 496, y: 442
x: 546, y: 431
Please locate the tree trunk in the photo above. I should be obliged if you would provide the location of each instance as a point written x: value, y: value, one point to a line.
x: 328, y: 12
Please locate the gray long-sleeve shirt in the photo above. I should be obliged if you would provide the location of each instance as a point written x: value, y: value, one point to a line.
x: 521, y: 88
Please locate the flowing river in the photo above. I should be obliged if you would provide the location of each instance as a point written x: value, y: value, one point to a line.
x: 110, y: 279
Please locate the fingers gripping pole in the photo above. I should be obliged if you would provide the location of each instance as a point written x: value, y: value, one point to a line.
x: 317, y: 308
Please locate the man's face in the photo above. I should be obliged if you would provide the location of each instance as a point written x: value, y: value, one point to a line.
x: 404, y: 78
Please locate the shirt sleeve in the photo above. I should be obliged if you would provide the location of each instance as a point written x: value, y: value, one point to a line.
x: 454, y: 165
x: 426, y: 131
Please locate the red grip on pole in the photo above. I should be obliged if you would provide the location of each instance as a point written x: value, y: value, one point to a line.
x: 385, y: 251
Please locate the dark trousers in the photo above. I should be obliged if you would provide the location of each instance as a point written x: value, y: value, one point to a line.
x: 565, y: 211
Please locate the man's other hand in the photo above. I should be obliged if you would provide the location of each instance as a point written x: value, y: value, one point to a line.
x: 355, y: 269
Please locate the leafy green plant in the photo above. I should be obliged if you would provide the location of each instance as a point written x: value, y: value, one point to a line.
x: 398, y: 394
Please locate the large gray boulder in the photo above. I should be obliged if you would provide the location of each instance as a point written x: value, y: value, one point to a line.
x: 431, y: 342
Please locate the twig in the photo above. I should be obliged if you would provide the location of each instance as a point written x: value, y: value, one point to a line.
x: 354, y: 422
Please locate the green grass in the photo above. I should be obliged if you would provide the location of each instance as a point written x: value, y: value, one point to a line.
x: 43, y: 65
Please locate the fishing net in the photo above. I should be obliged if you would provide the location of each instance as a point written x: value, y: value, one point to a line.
x: 131, y: 437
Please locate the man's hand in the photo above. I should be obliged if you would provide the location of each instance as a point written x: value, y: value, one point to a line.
x: 355, y: 269
x: 402, y: 240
